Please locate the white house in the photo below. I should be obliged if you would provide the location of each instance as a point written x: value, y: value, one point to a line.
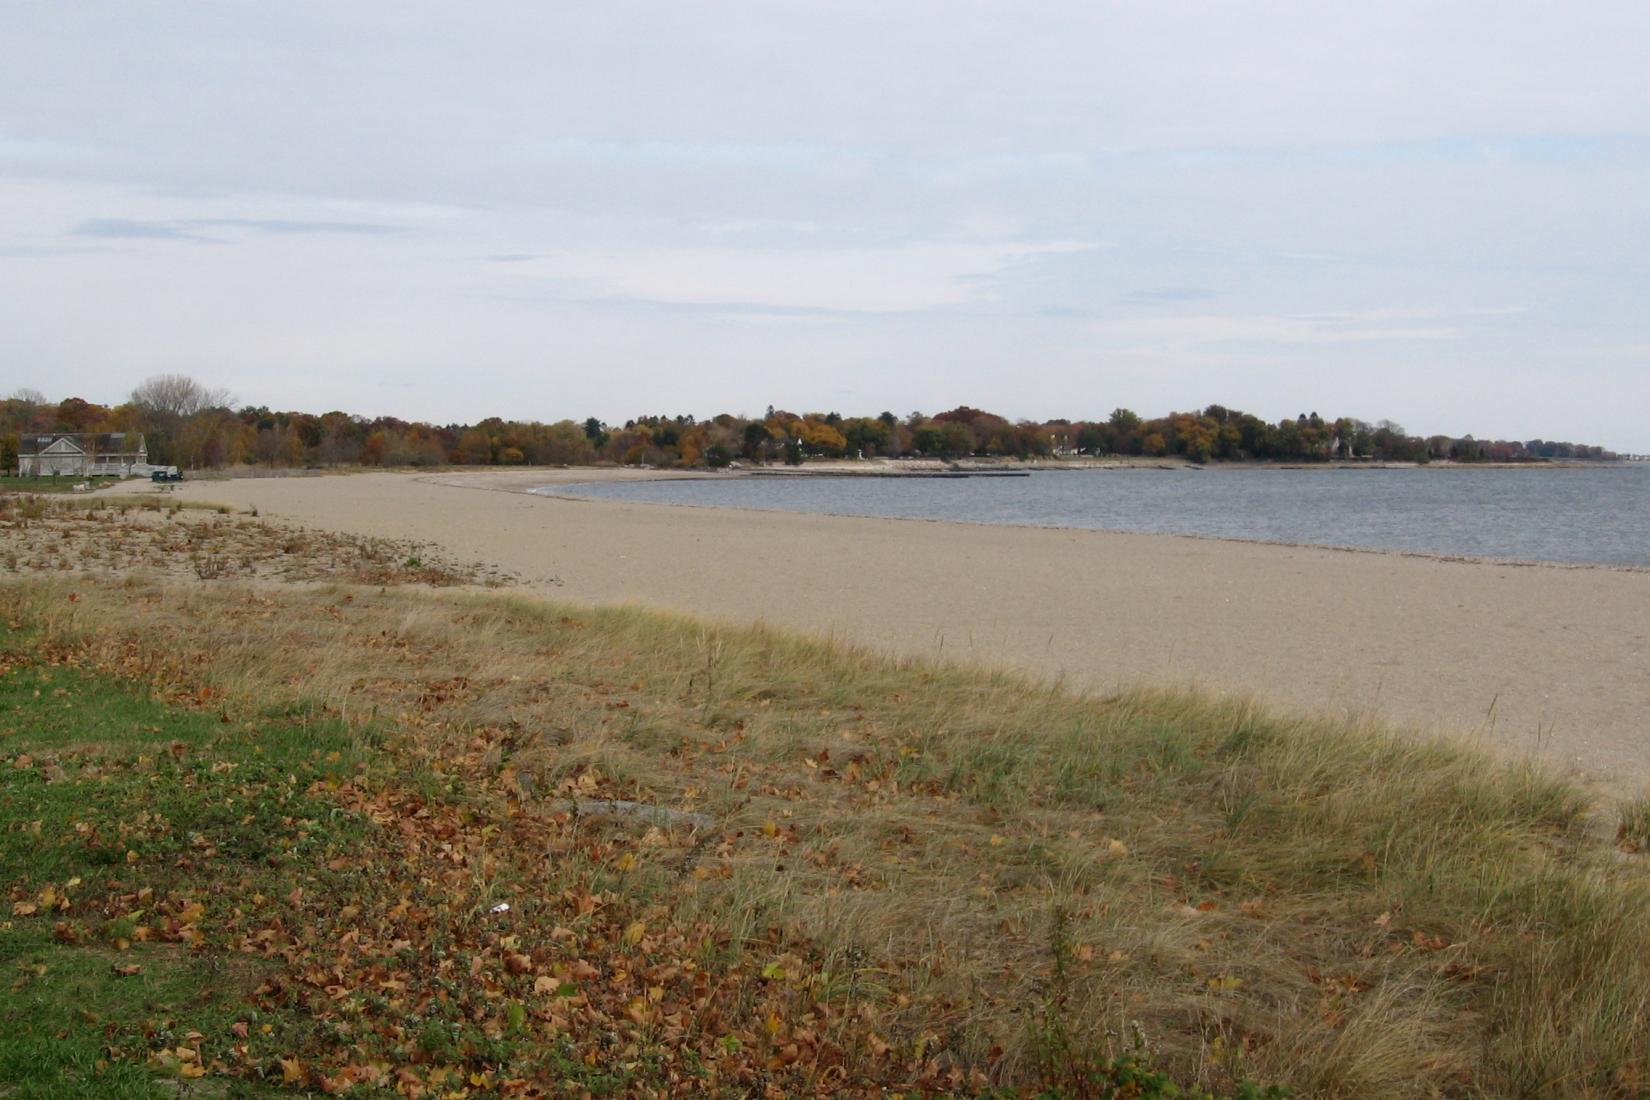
x: 83, y: 454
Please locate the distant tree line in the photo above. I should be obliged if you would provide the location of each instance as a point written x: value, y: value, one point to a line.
x: 192, y: 426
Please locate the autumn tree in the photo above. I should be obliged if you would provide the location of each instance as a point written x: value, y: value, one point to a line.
x: 820, y: 438
x: 342, y: 438
x: 166, y: 401
x: 77, y: 415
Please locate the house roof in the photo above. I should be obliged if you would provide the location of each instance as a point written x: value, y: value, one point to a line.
x: 95, y: 443
x: 62, y: 446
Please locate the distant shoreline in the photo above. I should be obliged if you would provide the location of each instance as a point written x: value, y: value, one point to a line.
x: 875, y: 467
x: 878, y: 466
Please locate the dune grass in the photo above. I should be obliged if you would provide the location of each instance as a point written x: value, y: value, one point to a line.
x: 920, y: 874
x: 112, y: 536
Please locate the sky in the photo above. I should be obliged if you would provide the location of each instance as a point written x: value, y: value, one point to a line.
x: 1437, y: 214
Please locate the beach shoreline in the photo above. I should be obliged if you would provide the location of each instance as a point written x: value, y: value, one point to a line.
x: 1550, y: 660
x: 556, y: 490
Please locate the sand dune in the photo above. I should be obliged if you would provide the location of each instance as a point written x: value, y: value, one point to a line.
x: 1542, y: 659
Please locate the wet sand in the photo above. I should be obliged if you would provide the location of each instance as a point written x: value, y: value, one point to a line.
x: 1547, y: 659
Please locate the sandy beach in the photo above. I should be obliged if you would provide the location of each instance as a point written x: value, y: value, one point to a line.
x: 1523, y: 659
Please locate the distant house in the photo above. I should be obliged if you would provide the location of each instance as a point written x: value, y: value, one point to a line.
x: 83, y: 454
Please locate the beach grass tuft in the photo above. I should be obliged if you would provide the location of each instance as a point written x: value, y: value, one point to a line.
x: 1633, y: 824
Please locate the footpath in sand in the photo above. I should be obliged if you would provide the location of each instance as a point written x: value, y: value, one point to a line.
x: 1551, y: 660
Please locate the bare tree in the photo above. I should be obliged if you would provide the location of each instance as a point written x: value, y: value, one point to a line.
x: 175, y: 396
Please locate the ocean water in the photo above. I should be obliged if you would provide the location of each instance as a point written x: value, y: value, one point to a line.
x: 1591, y: 514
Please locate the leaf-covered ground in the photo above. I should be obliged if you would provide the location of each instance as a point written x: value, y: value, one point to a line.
x: 249, y: 904
x: 247, y: 898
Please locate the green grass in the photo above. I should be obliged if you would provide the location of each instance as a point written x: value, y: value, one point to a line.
x: 66, y: 1012
x: 116, y: 813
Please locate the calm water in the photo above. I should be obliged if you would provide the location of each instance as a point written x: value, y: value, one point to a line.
x: 1578, y: 515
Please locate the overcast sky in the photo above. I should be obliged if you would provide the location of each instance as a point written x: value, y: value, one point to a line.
x: 1434, y: 213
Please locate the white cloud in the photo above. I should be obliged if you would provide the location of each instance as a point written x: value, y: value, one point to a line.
x: 1185, y: 332
x: 913, y: 277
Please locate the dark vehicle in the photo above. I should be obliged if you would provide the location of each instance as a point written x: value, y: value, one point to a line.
x: 159, y: 476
